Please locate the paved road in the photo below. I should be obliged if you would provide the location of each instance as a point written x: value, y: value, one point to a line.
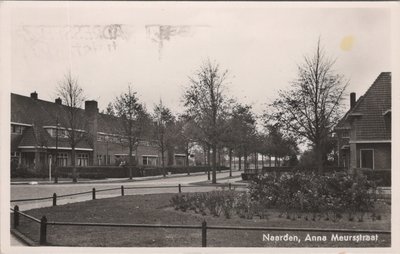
x: 47, y: 190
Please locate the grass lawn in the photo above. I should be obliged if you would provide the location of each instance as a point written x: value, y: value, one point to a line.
x: 155, y: 209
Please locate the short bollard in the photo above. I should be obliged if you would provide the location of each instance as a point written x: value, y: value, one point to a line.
x: 93, y: 193
x: 54, y: 199
x: 16, y: 216
x: 43, y: 230
x: 122, y: 190
x: 179, y: 188
x: 204, y: 234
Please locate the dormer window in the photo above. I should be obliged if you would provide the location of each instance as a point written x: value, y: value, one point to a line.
x: 17, y: 129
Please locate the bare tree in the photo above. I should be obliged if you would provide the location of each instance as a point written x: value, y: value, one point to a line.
x: 312, y: 107
x: 163, y: 120
x: 241, y: 131
x: 206, y: 102
x: 109, y: 110
x: 73, y: 97
x: 134, y: 119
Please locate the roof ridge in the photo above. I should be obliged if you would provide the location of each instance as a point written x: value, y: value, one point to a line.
x: 362, y: 97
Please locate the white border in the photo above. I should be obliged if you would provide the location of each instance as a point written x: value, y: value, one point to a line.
x: 5, y: 81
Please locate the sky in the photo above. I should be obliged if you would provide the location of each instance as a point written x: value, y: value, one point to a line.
x: 154, y: 48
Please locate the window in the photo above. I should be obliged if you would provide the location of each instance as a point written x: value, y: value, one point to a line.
x: 367, y: 158
x: 180, y: 160
x: 83, y: 159
x: 62, y: 133
x: 17, y: 129
x: 149, y: 161
x: 62, y: 159
x: 15, y: 158
x: 99, y: 160
x: 345, y: 134
x: 51, y: 132
x: 145, y: 143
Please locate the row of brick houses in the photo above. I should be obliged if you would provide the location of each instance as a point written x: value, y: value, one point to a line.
x: 35, y: 124
x: 364, y: 133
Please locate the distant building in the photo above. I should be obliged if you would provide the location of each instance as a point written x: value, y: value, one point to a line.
x: 364, y: 133
x: 34, y: 129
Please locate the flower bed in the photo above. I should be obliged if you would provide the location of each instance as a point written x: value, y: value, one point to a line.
x: 310, y: 196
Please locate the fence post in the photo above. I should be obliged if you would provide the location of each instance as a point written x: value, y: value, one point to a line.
x: 93, y: 193
x: 43, y: 230
x: 54, y: 199
x: 122, y: 190
x: 179, y: 188
x: 16, y: 216
x: 204, y: 234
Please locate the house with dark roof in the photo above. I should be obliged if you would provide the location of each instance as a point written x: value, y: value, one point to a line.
x: 39, y: 133
x: 364, y: 133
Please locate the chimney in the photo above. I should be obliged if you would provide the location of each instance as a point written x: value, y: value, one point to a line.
x: 91, y: 107
x: 58, y: 101
x: 34, y: 95
x: 352, y: 100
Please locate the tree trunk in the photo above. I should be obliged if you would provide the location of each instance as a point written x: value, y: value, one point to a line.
x: 163, y: 160
x: 230, y: 162
x: 270, y: 161
x: 73, y: 164
x: 205, y: 158
x: 262, y: 161
x: 130, y: 161
x: 214, y: 164
x: 187, y: 159
x: 208, y: 162
x: 256, y: 162
x: 245, y: 161
x: 319, y: 154
x: 219, y: 160
x: 240, y: 162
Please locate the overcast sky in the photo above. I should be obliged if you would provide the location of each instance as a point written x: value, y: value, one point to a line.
x: 108, y: 46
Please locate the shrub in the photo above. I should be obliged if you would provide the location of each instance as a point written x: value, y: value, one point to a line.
x: 214, y: 202
x: 327, y: 195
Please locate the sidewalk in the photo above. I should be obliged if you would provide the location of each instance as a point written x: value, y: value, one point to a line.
x: 107, y: 180
x: 14, y: 241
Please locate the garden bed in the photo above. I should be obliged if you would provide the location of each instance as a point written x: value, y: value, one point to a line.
x: 157, y: 209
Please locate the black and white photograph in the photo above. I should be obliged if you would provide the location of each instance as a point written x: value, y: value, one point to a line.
x: 194, y: 126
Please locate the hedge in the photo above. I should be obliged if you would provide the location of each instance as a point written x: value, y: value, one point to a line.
x: 123, y: 172
x: 382, y: 177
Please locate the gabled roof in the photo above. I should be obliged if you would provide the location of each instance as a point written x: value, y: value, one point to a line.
x: 370, y: 110
x: 39, y: 113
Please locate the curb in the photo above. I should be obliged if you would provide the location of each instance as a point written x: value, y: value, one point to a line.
x: 24, y: 239
x: 208, y: 183
x: 125, y: 180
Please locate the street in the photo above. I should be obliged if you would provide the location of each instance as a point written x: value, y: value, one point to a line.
x: 46, y: 190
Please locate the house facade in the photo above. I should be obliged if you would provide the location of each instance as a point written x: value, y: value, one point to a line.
x: 364, y: 133
x: 39, y: 133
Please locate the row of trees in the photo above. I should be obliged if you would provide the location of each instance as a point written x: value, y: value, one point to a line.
x: 215, y: 121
